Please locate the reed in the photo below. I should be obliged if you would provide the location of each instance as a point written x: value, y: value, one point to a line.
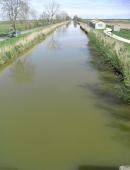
x: 118, y: 55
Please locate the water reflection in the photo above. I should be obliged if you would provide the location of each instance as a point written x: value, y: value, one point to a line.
x: 62, y: 30
x: 119, y: 113
x: 120, y: 120
x: 53, y: 44
x: 107, y: 92
x: 22, y: 71
x: 75, y: 24
x: 68, y: 24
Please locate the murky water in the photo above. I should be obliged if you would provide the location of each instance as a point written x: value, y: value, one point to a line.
x: 58, y: 111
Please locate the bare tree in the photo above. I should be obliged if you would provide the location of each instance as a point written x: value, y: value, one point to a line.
x: 51, y: 9
x: 61, y: 16
x: 24, y: 10
x: 12, y: 8
x: 44, y: 16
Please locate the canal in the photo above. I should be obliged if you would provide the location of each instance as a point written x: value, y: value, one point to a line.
x: 58, y: 110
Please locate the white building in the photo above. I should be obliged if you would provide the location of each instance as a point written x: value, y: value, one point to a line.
x: 116, y: 28
x: 97, y: 24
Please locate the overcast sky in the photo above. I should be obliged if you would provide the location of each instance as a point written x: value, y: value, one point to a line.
x: 91, y: 8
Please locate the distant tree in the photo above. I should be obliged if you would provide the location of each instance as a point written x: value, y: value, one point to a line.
x: 44, y: 17
x: 12, y: 9
x: 62, y: 15
x: 24, y: 10
x: 51, y: 9
x: 68, y: 18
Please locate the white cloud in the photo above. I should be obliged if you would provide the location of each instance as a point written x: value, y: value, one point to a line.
x: 91, y: 8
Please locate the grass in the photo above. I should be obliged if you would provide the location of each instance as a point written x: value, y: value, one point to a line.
x: 5, y: 26
x: 127, y: 46
x: 123, y: 33
x: 11, y: 40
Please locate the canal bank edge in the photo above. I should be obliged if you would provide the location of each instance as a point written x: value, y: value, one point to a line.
x: 115, y: 53
x: 16, y: 47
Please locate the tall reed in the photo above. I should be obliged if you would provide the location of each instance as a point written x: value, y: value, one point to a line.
x: 116, y: 53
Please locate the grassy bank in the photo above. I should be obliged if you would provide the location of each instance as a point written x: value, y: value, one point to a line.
x: 5, y: 26
x: 12, y: 48
x: 117, y: 54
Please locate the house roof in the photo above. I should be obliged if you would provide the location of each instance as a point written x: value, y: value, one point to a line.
x: 97, y: 21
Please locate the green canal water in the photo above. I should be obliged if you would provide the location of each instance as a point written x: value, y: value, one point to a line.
x: 58, y: 110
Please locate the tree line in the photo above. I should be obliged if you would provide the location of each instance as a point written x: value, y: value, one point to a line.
x: 21, y: 10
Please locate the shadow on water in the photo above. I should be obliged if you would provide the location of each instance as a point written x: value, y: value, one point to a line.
x: 22, y: 71
x: 106, y: 97
x: 91, y: 167
x: 102, y: 93
x: 118, y: 113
